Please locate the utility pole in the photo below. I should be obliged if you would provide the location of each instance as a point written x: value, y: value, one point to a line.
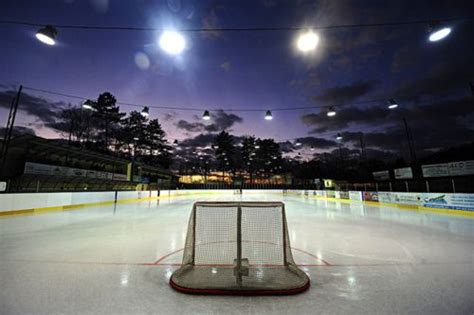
x: 411, y: 145
x: 9, y: 128
x: 363, y: 156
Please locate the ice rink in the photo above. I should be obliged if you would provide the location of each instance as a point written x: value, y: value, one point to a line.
x: 117, y: 260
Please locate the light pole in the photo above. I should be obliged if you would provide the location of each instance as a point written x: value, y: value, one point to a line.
x: 411, y: 144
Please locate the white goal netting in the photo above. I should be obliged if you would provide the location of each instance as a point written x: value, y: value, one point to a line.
x: 238, y: 248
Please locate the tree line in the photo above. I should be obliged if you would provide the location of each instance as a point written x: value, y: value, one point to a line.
x: 103, y: 127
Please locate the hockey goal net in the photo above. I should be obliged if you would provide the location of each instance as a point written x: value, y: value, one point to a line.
x: 238, y: 248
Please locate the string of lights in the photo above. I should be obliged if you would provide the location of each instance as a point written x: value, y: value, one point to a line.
x: 237, y: 29
x: 197, y: 109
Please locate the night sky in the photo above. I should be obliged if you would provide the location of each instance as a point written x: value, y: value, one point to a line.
x: 355, y: 69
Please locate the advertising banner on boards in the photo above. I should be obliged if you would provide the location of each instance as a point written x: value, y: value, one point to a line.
x: 370, y: 195
x: 403, y: 173
x: 449, y: 201
x: 355, y: 195
x: 435, y: 170
x: 461, y: 168
x: 381, y: 175
x: 386, y: 196
x: 330, y: 194
x: 407, y: 198
x: 344, y: 194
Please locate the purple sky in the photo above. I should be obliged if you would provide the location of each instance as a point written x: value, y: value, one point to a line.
x: 253, y: 70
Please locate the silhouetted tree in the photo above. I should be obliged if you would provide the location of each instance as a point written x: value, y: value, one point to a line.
x: 107, y: 112
x: 224, y: 150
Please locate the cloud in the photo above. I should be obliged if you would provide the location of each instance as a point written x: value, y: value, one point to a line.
x: 345, y: 117
x: 220, y: 121
x: 433, y: 126
x: 442, y: 78
x: 169, y: 116
x: 201, y: 140
x: 225, y: 66
x: 43, y: 110
x: 223, y: 121
x: 318, y: 143
x: 286, y: 147
x: 346, y: 93
x: 190, y: 127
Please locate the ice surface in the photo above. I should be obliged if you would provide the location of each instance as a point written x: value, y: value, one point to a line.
x: 361, y: 260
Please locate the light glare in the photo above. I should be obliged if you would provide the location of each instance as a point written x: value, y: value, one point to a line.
x: 439, y: 34
x: 45, y: 39
x: 172, y: 43
x: 308, y: 41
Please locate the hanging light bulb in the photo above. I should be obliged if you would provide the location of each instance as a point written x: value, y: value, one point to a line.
x: 145, y: 112
x: 392, y: 104
x: 298, y: 143
x: 172, y: 43
x: 206, y: 115
x: 331, y: 112
x: 268, y: 115
x: 339, y: 136
x: 307, y: 41
x: 438, y: 31
x: 312, y: 148
x: 47, y: 35
x: 88, y: 105
x: 175, y: 142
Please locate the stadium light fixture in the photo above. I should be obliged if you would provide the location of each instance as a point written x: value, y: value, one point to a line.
x: 206, y: 115
x: 172, y: 42
x: 339, y: 136
x: 307, y: 41
x: 392, y: 104
x: 87, y: 105
x: 438, y: 31
x: 47, y: 35
x: 331, y: 112
x: 268, y: 115
x: 145, y: 112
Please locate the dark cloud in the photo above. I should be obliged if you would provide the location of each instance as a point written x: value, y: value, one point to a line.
x: 43, y: 110
x: 433, y: 127
x: 18, y: 131
x: 318, y: 143
x: 346, y: 93
x: 286, y: 147
x: 201, y: 140
x: 220, y: 121
x: 169, y: 116
x: 452, y: 75
x: 190, y: 127
x: 344, y: 118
